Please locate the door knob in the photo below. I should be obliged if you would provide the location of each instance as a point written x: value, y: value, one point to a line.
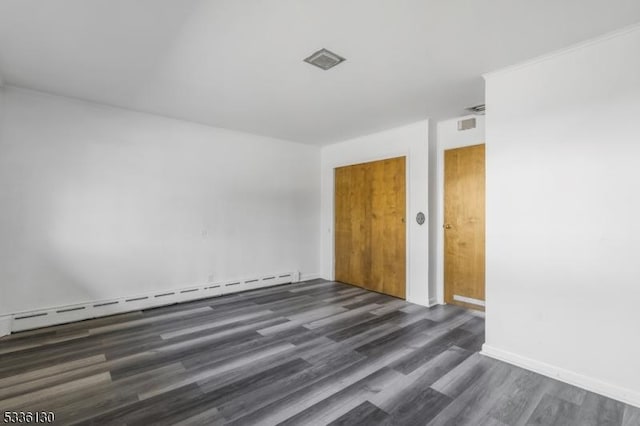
x: 447, y: 226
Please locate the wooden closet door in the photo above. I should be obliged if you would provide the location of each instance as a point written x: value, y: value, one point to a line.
x: 370, y: 229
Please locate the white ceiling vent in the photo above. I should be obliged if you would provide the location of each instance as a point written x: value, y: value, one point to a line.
x: 324, y: 59
x: 478, y: 109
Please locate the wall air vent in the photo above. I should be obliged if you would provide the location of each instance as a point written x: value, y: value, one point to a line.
x: 478, y: 109
x: 467, y: 124
x: 324, y: 59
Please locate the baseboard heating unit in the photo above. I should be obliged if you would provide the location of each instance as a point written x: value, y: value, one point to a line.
x: 100, y: 308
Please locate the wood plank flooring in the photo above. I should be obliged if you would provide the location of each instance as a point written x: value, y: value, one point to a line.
x: 311, y: 353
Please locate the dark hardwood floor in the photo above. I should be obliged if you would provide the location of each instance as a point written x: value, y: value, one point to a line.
x: 302, y: 354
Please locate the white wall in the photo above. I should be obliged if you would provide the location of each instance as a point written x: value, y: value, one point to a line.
x: 449, y: 137
x: 563, y: 215
x: 97, y: 202
x: 410, y: 141
x: 432, y: 216
x: 5, y: 320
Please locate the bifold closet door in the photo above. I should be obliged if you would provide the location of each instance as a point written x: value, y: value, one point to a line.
x: 370, y: 229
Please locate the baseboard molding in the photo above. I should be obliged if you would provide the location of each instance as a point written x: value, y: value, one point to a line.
x: 627, y: 396
x: 5, y: 325
x: 39, y: 318
x: 309, y: 277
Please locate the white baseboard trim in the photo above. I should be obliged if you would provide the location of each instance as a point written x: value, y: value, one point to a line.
x: 5, y: 325
x: 433, y: 302
x: 309, y: 277
x: 39, y: 318
x: 627, y: 396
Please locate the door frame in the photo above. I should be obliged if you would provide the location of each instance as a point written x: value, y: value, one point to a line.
x: 394, y: 154
x: 443, y: 231
x: 410, y: 141
x: 406, y: 219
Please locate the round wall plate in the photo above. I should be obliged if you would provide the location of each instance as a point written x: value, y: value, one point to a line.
x: 420, y: 218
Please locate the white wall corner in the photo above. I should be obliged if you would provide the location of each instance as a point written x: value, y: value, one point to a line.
x: 432, y: 222
x: 563, y: 51
x: 627, y: 396
x: 310, y: 276
x: 5, y: 324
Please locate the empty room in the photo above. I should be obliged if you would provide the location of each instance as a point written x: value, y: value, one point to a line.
x: 287, y: 212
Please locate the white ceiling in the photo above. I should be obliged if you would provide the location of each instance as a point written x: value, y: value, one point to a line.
x: 238, y: 63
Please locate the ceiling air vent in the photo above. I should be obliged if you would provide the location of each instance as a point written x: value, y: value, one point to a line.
x: 324, y: 59
x: 478, y: 109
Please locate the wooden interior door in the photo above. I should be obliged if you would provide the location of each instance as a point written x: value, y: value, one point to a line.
x: 370, y: 232
x: 464, y: 226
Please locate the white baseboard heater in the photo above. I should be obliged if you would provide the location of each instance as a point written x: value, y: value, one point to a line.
x: 63, y: 314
